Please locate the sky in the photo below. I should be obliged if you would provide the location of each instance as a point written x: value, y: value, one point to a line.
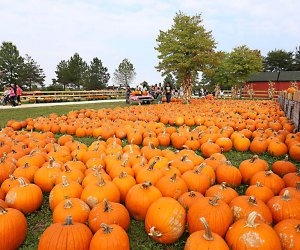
x: 53, y: 30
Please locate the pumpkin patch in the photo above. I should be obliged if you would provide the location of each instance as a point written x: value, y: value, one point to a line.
x: 193, y: 174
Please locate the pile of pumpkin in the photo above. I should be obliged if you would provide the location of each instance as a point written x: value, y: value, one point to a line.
x: 107, y: 184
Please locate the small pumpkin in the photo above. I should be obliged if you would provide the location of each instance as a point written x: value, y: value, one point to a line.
x: 110, y: 237
x: 289, y: 233
x: 189, y: 198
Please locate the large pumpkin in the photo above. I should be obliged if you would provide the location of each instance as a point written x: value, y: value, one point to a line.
x: 248, y: 234
x: 13, y: 228
x: 214, y: 211
x: 289, y: 233
x: 165, y: 220
x: 205, y: 239
x: 66, y: 236
x: 108, y: 213
x: 138, y: 207
x: 26, y: 197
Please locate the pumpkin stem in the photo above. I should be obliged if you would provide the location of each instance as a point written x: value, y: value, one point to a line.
x: 68, y: 204
x: 252, y: 200
x: 12, y: 177
x: 223, y: 185
x: 286, y: 195
x: 101, y: 181
x: 122, y: 175
x: 68, y: 221
x: 146, y: 184
x: 208, y: 234
x: 192, y: 194
x: 298, y: 185
x: 184, y: 158
x: 107, y: 206
x: 154, y: 233
x: 65, y: 182
x: 251, y: 220
x: 151, y: 166
x: 124, y: 162
x: 22, y: 182
x: 173, y: 178
x: 258, y: 184
x: 199, y: 168
x: 214, y: 200
x: 106, y: 228
x: 26, y: 165
x: 286, y: 158
x: 268, y: 173
x: 119, y: 156
x: 254, y: 158
x: 3, y: 210
x: 298, y: 228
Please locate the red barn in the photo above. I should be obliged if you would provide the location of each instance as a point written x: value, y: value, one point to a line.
x: 260, y: 81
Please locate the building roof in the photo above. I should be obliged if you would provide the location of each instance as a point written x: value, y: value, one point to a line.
x: 282, y: 76
x: 288, y: 76
x: 264, y: 77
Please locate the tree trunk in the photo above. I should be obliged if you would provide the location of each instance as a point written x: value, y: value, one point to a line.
x: 187, y: 89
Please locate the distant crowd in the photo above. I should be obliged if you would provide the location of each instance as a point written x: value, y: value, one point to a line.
x: 12, y: 95
x: 157, y: 91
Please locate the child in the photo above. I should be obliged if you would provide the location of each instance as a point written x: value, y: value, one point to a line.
x: 5, y: 97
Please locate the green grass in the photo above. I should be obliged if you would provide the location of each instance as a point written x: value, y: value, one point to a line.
x: 139, y: 240
x: 20, y: 114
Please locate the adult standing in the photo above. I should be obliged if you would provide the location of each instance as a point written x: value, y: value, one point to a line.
x: 19, y: 93
x: 12, y: 95
x: 168, y: 91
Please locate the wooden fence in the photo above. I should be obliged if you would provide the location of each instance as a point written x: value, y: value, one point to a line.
x: 65, y: 96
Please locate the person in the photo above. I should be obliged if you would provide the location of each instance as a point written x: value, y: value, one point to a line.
x: 168, y: 91
x: 5, y: 98
x: 221, y: 93
x: 181, y: 92
x: 19, y: 93
x: 159, y: 93
x: 128, y: 91
x: 12, y: 95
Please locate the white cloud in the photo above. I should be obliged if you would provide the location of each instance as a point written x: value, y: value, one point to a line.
x: 53, y: 30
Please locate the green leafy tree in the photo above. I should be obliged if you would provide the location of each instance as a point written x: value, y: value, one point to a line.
x: 62, y: 74
x: 10, y: 63
x: 31, y: 74
x: 186, y: 49
x: 296, y: 65
x: 77, y: 69
x: 125, y: 73
x: 278, y: 60
x: 240, y: 63
x: 169, y: 78
x: 97, y: 75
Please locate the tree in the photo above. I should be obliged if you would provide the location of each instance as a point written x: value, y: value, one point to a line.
x: 125, y: 73
x: 240, y: 63
x: 76, y: 71
x: 278, y: 60
x: 186, y: 49
x: 169, y: 78
x: 97, y: 75
x: 62, y: 74
x: 31, y: 75
x: 10, y: 63
x: 296, y: 65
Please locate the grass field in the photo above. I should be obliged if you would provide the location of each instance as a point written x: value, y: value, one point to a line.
x: 39, y: 220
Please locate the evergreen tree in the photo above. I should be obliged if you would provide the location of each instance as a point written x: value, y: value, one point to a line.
x: 97, y: 75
